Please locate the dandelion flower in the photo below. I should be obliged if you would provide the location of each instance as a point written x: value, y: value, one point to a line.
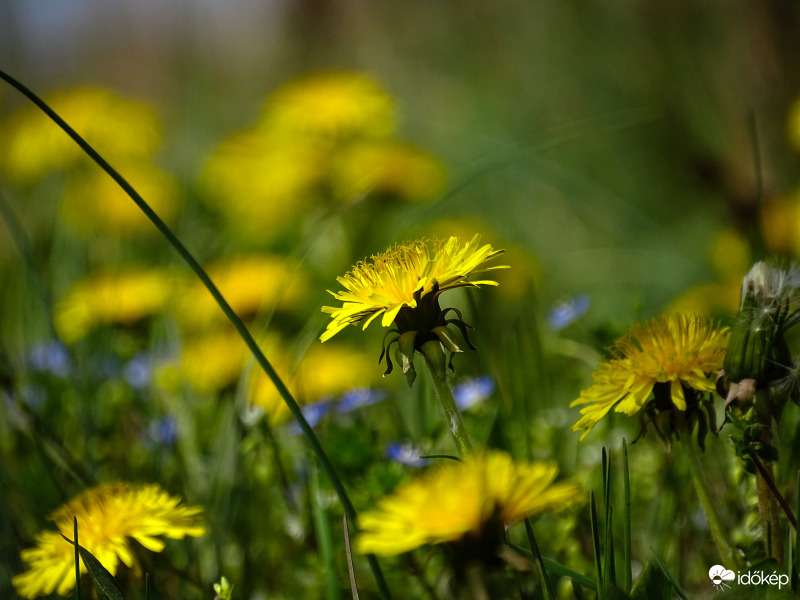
x: 465, y: 503
x: 387, y: 168
x: 117, y: 127
x: 670, y: 357
x: 107, y: 516
x: 123, y: 297
x: 403, y: 285
x: 330, y: 105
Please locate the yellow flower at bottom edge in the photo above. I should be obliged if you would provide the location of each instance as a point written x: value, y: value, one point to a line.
x: 107, y: 515
x: 457, y: 501
x: 679, y: 350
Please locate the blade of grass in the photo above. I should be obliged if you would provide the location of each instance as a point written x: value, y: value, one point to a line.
x: 676, y: 586
x: 556, y: 568
x: 538, y: 557
x: 323, y: 531
x: 598, y: 565
x: 350, y: 570
x: 77, y: 559
x: 184, y: 253
x: 626, y: 520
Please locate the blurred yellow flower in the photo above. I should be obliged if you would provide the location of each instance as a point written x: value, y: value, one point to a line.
x: 31, y: 145
x: 94, y: 203
x: 334, y: 105
x: 387, y: 168
x: 209, y: 363
x: 323, y: 371
x: 677, y: 352
x: 261, y: 184
x: 793, y: 124
x: 250, y: 284
x: 402, y: 275
x: 122, y: 297
x: 779, y: 217
x: 107, y: 516
x: 463, y: 501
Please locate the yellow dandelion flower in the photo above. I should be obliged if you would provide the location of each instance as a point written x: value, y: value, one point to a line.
x: 403, y: 286
x: 250, y: 283
x: 94, y: 203
x: 31, y: 145
x: 670, y: 357
x: 330, y: 105
x: 261, y: 184
x: 123, y: 297
x: 324, y: 371
x: 107, y: 516
x: 387, y: 168
x: 402, y: 276
x: 459, y: 502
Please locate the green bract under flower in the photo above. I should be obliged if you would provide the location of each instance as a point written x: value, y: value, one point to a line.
x: 402, y: 286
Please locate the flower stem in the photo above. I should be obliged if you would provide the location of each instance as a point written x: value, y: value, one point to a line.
x: 768, y: 511
x: 435, y: 359
x: 729, y: 555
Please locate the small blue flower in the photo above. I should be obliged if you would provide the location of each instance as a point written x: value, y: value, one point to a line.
x: 565, y: 313
x: 473, y: 391
x: 313, y: 414
x: 405, y: 454
x: 139, y: 370
x: 358, y: 397
x: 163, y: 430
x: 50, y: 356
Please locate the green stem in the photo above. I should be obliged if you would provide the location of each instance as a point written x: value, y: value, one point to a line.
x: 729, y: 555
x: 435, y: 359
x: 184, y: 253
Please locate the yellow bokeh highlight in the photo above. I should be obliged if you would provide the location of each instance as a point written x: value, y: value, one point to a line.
x: 250, y: 283
x: 31, y: 145
x: 330, y: 105
x: 123, y: 297
x: 387, y: 168
x: 94, y: 203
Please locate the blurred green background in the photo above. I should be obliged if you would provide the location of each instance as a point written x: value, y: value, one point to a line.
x: 638, y: 156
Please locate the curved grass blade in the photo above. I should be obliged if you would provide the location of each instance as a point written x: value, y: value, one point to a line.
x: 627, y: 575
x: 538, y: 557
x: 675, y: 585
x: 104, y: 581
x: 184, y: 253
x: 350, y: 570
x: 77, y: 559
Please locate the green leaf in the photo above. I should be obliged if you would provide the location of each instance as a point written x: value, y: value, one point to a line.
x: 104, y: 581
x: 674, y: 582
x: 612, y: 592
x: 651, y: 584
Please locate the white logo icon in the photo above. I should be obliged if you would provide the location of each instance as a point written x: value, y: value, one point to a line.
x: 719, y: 575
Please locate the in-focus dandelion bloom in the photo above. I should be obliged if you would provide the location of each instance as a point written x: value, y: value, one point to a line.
x: 673, y: 354
x: 401, y: 276
x: 463, y: 502
x: 107, y: 516
x: 402, y: 286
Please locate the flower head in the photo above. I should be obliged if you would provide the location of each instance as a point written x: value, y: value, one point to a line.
x: 32, y: 145
x: 670, y: 357
x: 402, y: 286
x: 466, y: 503
x: 122, y: 297
x: 332, y: 104
x: 107, y: 516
